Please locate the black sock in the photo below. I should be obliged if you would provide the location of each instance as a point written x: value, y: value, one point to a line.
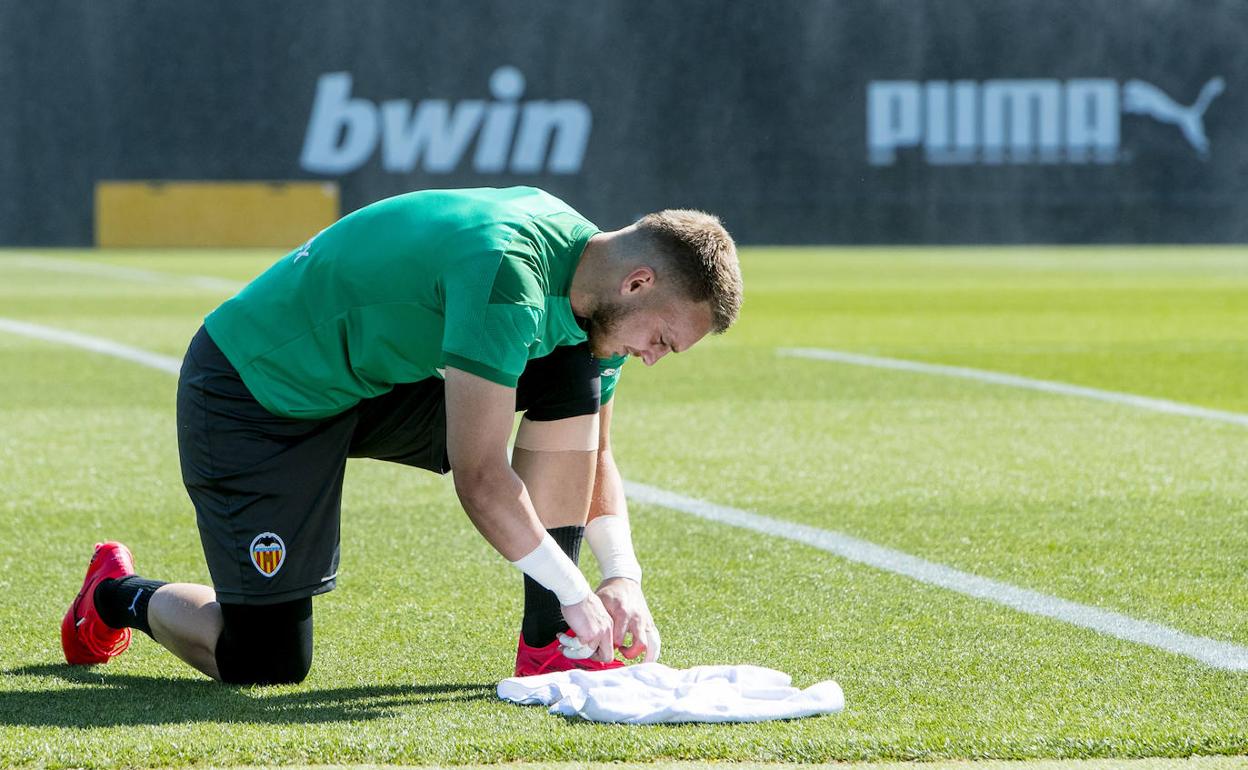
x: 122, y: 603
x: 543, y: 619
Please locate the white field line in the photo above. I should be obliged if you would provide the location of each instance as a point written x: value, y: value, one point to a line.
x: 1015, y: 381
x: 119, y: 272
x: 1223, y: 655
x: 94, y: 344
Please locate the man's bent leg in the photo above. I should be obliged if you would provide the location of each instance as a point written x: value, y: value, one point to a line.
x: 559, y: 483
x: 233, y: 643
x: 555, y: 455
x: 267, y: 492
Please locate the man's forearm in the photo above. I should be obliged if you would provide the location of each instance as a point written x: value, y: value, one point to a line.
x: 608, y: 498
x: 608, y: 532
x: 499, y: 507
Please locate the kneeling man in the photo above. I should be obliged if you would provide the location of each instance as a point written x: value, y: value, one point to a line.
x: 412, y: 331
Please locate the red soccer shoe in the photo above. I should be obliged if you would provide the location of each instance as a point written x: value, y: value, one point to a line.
x: 543, y: 660
x: 85, y: 638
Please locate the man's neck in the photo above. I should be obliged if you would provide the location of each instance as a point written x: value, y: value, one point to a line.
x: 590, y: 270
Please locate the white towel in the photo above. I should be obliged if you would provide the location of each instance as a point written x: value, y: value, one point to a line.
x: 650, y: 693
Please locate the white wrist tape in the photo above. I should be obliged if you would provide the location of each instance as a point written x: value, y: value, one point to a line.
x: 550, y: 566
x: 611, y: 540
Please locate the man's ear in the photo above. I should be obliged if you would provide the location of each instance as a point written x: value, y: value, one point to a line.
x: 639, y: 281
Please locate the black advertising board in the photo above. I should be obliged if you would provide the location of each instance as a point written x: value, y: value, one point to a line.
x: 907, y: 121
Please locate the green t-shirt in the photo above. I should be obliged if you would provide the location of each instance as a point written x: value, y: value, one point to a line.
x: 395, y: 292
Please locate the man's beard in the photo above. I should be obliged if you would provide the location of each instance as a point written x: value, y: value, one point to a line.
x: 604, y: 319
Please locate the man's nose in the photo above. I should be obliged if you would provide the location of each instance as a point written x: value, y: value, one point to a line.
x: 651, y: 356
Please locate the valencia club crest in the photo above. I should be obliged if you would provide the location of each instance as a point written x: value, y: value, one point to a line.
x: 268, y: 553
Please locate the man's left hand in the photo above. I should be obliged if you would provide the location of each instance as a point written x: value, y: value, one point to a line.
x: 630, y: 615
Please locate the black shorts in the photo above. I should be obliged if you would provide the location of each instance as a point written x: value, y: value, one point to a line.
x: 267, y: 490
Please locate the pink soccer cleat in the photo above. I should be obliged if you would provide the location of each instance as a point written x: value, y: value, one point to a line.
x: 85, y: 638
x: 543, y: 660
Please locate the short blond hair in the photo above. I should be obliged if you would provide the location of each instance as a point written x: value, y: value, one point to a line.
x: 702, y: 257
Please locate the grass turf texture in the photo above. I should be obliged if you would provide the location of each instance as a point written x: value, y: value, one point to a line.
x: 1189, y: 763
x: 1141, y: 513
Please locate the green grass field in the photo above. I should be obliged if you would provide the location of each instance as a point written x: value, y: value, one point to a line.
x: 1105, y: 504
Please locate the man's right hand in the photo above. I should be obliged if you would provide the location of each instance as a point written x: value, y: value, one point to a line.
x: 592, y: 624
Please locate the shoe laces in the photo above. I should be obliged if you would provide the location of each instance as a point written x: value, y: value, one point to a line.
x: 583, y: 665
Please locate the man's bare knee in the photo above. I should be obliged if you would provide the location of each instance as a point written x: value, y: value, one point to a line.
x: 571, y: 434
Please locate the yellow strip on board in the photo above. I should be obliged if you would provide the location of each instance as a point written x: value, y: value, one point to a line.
x: 153, y: 213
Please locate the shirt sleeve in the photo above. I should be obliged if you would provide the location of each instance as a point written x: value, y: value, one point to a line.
x: 491, y: 324
x: 609, y: 375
